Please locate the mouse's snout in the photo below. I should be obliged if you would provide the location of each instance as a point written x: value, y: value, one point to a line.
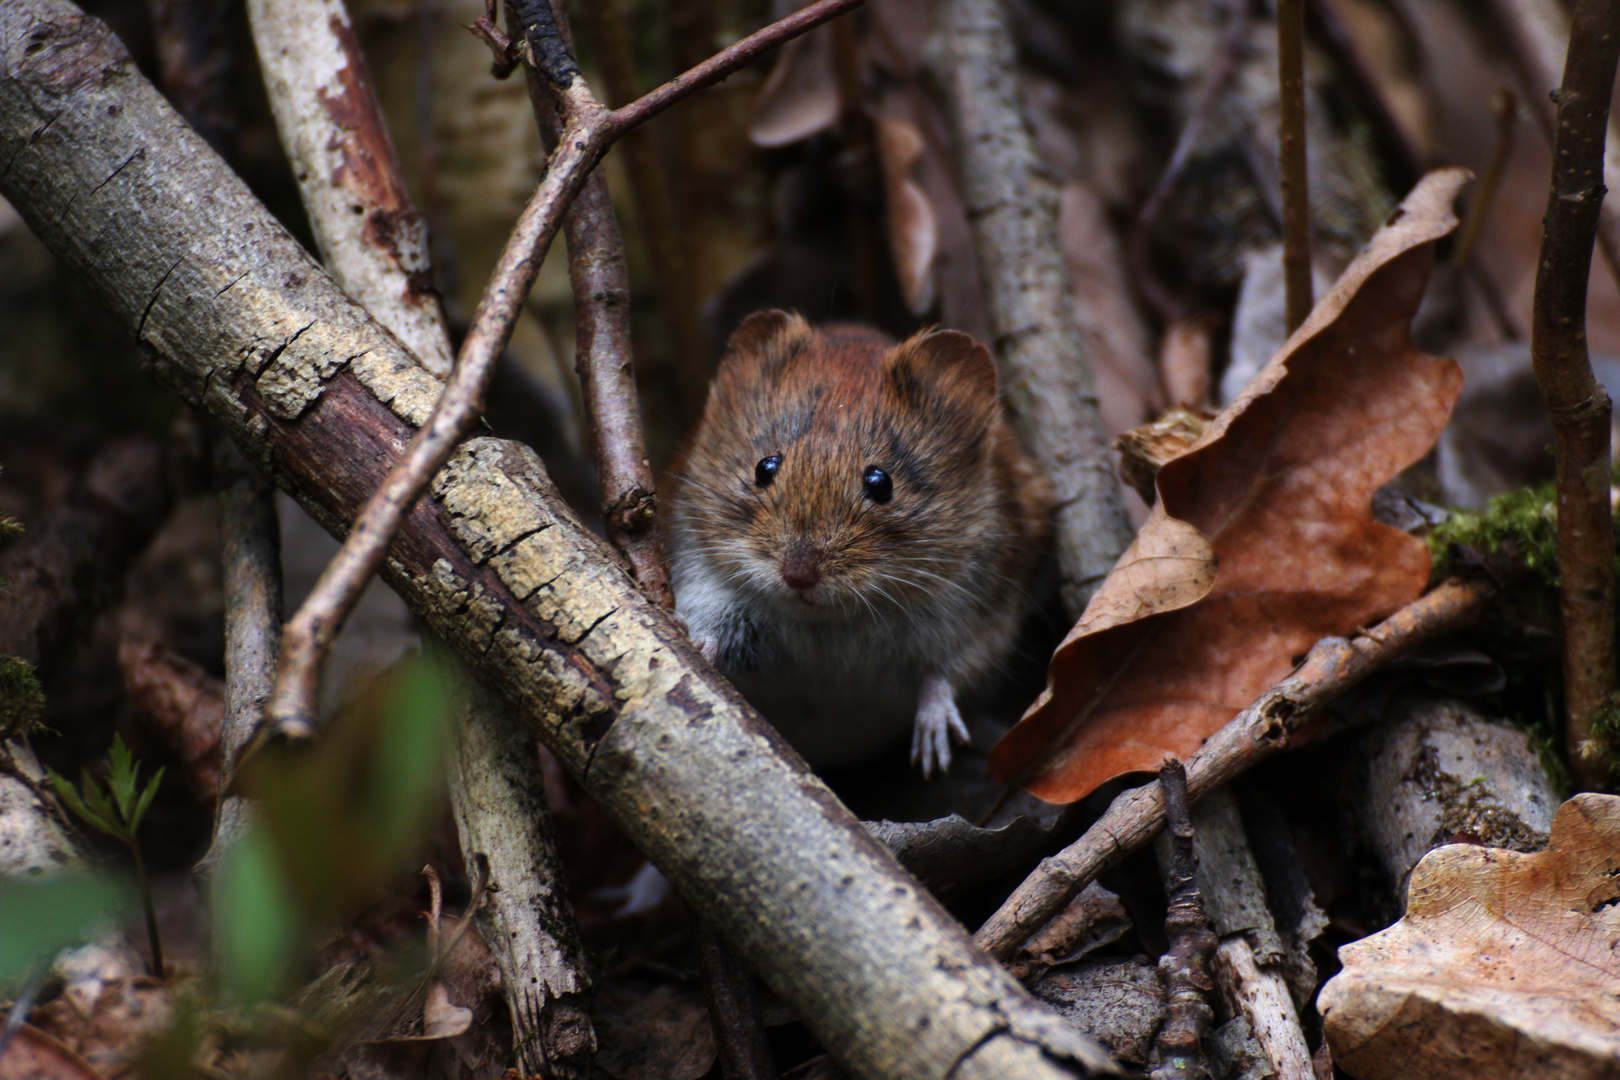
x: 801, y: 566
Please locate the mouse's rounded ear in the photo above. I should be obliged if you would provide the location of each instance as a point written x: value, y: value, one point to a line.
x: 765, y: 341
x: 948, y: 361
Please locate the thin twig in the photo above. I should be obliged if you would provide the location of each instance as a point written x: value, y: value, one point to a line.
x: 1296, y: 202
x: 604, y: 359
x: 624, y: 480
x: 668, y: 246
x: 587, y: 132
x: 1577, y: 402
x: 1263, y: 729
x: 1178, y: 1047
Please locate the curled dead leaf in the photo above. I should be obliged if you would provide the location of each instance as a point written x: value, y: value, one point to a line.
x: 1262, y: 541
x: 913, y: 229
x: 800, y: 97
x: 1505, y: 964
x: 1144, y: 450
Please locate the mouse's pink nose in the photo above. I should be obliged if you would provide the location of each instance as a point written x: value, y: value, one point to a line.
x: 801, y: 569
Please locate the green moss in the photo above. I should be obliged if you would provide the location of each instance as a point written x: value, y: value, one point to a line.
x: 22, y: 699
x: 1523, y: 523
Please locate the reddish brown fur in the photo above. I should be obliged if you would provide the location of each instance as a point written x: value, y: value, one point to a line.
x: 929, y: 583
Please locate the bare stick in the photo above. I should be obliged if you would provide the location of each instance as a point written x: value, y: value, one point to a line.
x: 1263, y: 729
x: 587, y: 132
x: 1296, y: 201
x: 251, y: 557
x: 739, y: 1029
x: 1577, y: 402
x: 605, y: 363
x: 1012, y: 206
x: 505, y: 826
x: 667, y: 243
x: 327, y: 114
x: 1178, y: 1047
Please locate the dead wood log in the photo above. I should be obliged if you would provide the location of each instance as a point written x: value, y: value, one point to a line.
x: 237, y: 319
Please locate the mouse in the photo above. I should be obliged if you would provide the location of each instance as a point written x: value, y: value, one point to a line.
x: 853, y: 531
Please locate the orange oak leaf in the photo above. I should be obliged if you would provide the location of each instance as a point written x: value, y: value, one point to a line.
x: 1262, y: 540
x: 1504, y: 965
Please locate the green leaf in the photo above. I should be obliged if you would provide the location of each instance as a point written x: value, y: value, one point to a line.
x: 406, y: 780
x: 122, y: 779
x: 70, y: 798
x: 38, y: 917
x: 257, y: 917
x: 144, y: 801
x: 96, y: 798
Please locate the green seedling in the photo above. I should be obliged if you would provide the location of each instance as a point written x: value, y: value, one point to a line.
x: 117, y: 810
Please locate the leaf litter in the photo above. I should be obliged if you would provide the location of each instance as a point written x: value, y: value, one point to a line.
x: 1262, y: 540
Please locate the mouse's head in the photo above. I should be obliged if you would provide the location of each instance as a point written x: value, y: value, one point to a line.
x: 835, y: 471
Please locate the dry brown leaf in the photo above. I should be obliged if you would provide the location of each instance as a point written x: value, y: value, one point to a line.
x: 1505, y: 964
x: 1144, y: 450
x: 913, y: 231
x: 181, y: 703
x: 1262, y: 532
x: 800, y: 97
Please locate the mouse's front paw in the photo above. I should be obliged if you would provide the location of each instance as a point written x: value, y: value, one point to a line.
x: 938, y: 724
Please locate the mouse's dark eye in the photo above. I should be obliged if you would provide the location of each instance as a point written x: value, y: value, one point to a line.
x: 765, y: 471
x: 879, y: 488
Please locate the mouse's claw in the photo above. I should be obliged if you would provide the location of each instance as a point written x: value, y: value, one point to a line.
x: 938, y: 724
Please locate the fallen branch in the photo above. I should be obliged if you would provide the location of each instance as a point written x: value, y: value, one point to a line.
x: 1258, y: 732
x: 505, y: 827
x: 250, y: 556
x: 1248, y: 957
x: 589, y: 130
x: 1576, y: 401
x: 369, y: 235
x: 1178, y: 1051
x: 1012, y: 205
x: 236, y: 318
